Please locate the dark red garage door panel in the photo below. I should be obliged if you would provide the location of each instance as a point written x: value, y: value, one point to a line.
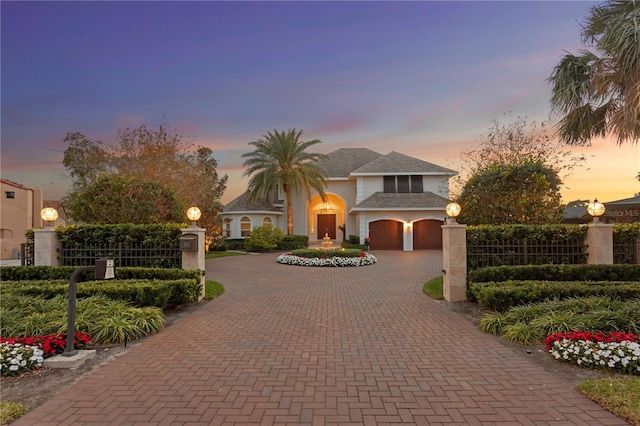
x: 427, y: 235
x: 385, y: 235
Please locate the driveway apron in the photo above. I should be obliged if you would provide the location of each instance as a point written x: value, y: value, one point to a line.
x: 302, y: 345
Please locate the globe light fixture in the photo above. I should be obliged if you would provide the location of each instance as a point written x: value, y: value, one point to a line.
x: 49, y: 215
x: 193, y: 213
x: 596, y: 209
x: 453, y: 210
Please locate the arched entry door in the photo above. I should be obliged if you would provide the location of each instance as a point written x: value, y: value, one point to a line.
x: 385, y: 235
x: 327, y: 225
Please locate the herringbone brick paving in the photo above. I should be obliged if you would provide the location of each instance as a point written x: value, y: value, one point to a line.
x: 294, y: 345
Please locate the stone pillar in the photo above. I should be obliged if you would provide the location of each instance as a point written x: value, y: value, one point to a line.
x: 454, y: 262
x: 600, y: 242
x: 195, y: 259
x: 46, y: 247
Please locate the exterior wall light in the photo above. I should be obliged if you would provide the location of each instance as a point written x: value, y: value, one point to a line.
x: 596, y: 209
x: 193, y: 213
x: 49, y: 214
x: 453, y: 210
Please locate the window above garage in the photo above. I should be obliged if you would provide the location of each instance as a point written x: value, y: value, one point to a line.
x: 403, y: 184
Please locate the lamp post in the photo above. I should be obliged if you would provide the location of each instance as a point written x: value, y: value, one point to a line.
x: 453, y: 210
x: 596, y: 209
x: 194, y: 213
x: 48, y: 214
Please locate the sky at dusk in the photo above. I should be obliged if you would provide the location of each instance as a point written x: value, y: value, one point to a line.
x: 422, y: 78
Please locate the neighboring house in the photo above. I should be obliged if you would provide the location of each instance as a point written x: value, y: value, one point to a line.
x: 619, y: 211
x: 19, y: 211
x: 396, y: 200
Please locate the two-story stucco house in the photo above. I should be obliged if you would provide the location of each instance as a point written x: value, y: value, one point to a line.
x: 395, y: 200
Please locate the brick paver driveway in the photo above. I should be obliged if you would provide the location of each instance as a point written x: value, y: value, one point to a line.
x: 297, y: 345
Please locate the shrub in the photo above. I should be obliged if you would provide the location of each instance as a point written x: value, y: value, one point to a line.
x: 293, y: 242
x: 263, y: 238
x: 594, y: 314
x: 323, y: 254
x: 354, y: 239
x: 235, y: 243
x: 556, y: 273
x: 505, y: 295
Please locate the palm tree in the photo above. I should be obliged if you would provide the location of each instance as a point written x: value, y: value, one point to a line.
x: 598, y: 90
x: 280, y: 160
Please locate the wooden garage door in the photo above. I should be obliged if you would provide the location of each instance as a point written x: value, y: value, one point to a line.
x: 385, y: 235
x: 427, y: 235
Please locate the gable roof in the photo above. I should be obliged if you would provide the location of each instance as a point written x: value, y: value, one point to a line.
x: 403, y: 201
x: 342, y: 162
x: 633, y: 201
x: 397, y: 163
x: 242, y: 204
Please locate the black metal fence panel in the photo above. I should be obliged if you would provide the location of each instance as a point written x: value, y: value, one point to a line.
x: 124, y: 255
x: 625, y: 250
x: 525, y: 252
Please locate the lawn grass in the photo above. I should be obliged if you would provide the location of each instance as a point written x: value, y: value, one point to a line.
x: 9, y: 411
x: 217, y: 254
x: 212, y: 289
x: 620, y: 395
x: 433, y: 288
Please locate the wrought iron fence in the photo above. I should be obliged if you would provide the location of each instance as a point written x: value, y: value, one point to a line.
x: 625, y: 249
x: 525, y: 252
x: 26, y: 254
x: 124, y: 255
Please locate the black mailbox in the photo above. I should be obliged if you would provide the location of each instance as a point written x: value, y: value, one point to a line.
x: 105, y: 269
x: 189, y: 242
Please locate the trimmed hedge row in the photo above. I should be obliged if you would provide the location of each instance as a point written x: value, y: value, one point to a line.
x: 159, y: 293
x: 324, y: 254
x: 27, y: 273
x: 501, y: 296
x: 556, y: 273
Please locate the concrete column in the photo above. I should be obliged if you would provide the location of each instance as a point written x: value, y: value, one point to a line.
x: 47, y: 249
x: 454, y: 262
x: 600, y: 241
x: 195, y: 259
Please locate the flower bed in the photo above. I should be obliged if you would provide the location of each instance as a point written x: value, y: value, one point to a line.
x: 360, y: 260
x: 612, y: 351
x: 16, y: 358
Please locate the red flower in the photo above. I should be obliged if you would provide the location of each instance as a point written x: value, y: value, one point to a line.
x: 614, y: 336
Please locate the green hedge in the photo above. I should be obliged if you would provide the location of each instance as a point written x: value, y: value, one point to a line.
x: 324, y: 254
x: 235, y: 243
x: 482, y: 233
x: 348, y: 245
x: 556, y: 273
x: 26, y: 273
x: 159, y: 235
x: 159, y: 293
x: 293, y: 242
x: 501, y: 296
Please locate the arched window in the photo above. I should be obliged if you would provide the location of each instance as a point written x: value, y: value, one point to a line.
x: 266, y: 221
x: 227, y: 228
x: 245, y: 226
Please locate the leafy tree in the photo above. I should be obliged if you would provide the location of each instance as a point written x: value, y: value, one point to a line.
x: 523, y: 193
x: 598, y: 89
x: 152, y: 156
x: 124, y: 199
x: 280, y: 160
x: 513, y: 150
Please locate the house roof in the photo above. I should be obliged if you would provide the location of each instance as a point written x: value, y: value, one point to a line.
x: 633, y: 201
x: 242, y: 204
x: 12, y: 183
x: 395, y: 162
x: 402, y: 201
x: 342, y: 162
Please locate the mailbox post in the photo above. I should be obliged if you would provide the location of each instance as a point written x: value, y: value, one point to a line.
x: 104, y: 270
